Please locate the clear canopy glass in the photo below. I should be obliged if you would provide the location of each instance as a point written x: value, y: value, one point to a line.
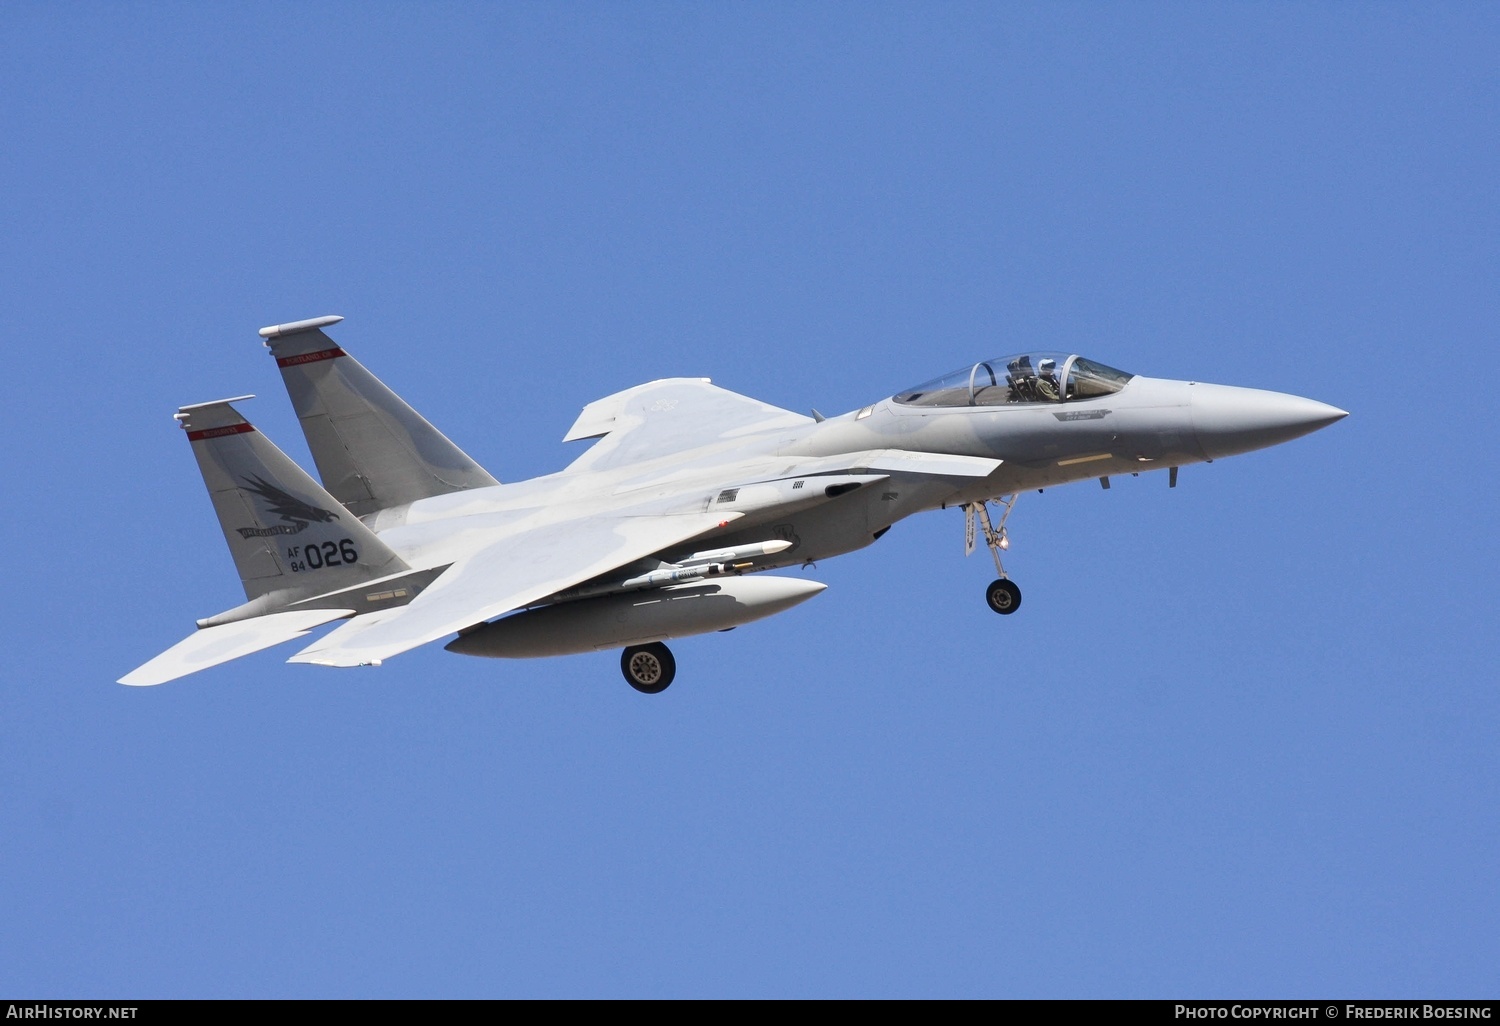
x: 1028, y: 378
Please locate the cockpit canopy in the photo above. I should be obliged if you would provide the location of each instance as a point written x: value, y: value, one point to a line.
x: 1028, y: 378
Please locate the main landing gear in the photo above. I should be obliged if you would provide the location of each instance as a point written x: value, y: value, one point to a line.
x: 1002, y: 595
x: 648, y: 668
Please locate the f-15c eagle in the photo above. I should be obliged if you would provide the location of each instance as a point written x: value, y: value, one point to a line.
x: 663, y: 527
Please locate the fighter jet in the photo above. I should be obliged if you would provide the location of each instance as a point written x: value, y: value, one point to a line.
x: 665, y: 526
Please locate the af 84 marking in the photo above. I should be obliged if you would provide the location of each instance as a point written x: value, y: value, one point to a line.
x: 316, y: 557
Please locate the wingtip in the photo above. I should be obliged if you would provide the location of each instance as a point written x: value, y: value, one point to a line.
x: 139, y: 678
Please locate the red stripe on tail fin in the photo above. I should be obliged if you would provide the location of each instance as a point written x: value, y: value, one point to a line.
x: 232, y: 429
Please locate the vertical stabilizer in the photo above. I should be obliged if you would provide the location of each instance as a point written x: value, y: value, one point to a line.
x: 373, y: 451
x: 286, y: 533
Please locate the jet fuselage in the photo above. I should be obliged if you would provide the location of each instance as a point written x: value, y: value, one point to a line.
x: 1149, y: 424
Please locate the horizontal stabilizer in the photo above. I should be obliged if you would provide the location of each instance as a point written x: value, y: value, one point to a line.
x: 214, y: 645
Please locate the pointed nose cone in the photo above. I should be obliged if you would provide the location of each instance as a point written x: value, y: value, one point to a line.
x: 1231, y: 420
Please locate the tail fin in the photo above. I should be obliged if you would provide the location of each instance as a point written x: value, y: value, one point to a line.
x: 286, y: 534
x: 373, y: 451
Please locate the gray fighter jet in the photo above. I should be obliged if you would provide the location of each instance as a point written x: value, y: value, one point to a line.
x: 663, y: 527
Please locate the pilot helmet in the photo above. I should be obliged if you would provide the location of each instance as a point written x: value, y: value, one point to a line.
x: 1045, y: 366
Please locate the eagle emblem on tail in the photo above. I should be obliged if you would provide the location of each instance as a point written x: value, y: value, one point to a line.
x: 297, y: 513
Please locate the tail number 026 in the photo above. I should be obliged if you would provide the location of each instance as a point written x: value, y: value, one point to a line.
x: 315, y: 557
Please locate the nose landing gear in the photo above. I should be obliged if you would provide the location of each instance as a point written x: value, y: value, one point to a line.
x: 648, y: 668
x: 1002, y: 595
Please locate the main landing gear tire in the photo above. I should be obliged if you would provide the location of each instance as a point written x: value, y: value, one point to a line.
x: 648, y: 668
x: 1003, y: 596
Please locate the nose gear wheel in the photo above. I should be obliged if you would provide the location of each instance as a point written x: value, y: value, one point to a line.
x: 1003, y: 597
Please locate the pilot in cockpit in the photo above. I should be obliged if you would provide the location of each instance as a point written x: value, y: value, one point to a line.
x: 1047, y: 386
x: 1021, y: 380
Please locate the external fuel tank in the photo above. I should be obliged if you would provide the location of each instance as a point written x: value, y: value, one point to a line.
x: 634, y: 618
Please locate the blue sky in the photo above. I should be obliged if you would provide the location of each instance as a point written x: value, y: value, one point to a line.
x: 1241, y: 740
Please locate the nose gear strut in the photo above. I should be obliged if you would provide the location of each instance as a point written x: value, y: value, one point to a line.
x: 1002, y: 595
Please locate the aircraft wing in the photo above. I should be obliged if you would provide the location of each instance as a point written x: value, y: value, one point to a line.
x: 669, y: 416
x: 508, y: 573
x: 214, y: 645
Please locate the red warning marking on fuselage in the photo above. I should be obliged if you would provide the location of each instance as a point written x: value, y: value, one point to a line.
x: 323, y: 354
x: 232, y: 429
